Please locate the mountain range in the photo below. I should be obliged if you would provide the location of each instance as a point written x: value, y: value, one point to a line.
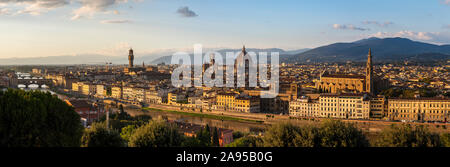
x: 223, y: 52
x: 383, y: 50
x: 387, y: 49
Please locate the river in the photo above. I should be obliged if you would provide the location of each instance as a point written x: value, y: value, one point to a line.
x: 248, y: 127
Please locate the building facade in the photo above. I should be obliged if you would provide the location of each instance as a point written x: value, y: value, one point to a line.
x: 344, y: 83
x: 419, y: 109
x: 345, y: 106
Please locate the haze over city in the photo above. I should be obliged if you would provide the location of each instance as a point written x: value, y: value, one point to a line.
x: 40, y: 28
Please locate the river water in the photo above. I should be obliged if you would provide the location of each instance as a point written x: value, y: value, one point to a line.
x: 249, y: 127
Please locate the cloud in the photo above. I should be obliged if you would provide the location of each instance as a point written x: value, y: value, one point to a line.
x: 115, y: 21
x: 446, y: 26
x: 349, y: 27
x: 4, y: 11
x: 186, y: 12
x: 434, y: 37
x: 446, y: 2
x: 385, y: 24
x: 34, y: 7
x: 90, y: 7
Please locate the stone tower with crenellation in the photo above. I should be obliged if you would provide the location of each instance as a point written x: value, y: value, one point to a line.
x: 369, y: 73
x: 130, y: 58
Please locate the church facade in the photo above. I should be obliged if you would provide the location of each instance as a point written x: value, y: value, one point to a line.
x: 345, y: 83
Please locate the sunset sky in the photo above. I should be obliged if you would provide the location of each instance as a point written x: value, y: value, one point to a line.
x: 35, y: 28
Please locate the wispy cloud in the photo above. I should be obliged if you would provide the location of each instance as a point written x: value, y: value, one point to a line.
x: 446, y: 2
x: 90, y: 7
x: 380, y: 24
x: 186, y: 12
x: 4, y: 11
x: 446, y: 26
x: 349, y: 27
x: 115, y: 21
x: 34, y: 7
x: 87, y: 9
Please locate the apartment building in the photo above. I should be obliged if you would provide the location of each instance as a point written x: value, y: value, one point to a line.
x: 231, y: 102
x: 345, y: 106
x: 419, y: 109
x: 304, y: 107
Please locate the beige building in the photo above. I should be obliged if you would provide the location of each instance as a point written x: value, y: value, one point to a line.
x: 101, y: 91
x: 231, y: 102
x: 345, y: 106
x: 420, y: 109
x: 378, y: 107
x: 152, y: 97
x: 76, y: 86
x: 174, y: 98
x: 88, y: 89
x: 116, y: 92
x: 304, y: 107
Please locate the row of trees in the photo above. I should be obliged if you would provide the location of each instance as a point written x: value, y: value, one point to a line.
x: 37, y: 119
x: 155, y: 133
x: 330, y: 134
x: 334, y: 133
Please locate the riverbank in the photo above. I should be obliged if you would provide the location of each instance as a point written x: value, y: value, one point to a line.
x: 203, y: 115
x: 367, y: 126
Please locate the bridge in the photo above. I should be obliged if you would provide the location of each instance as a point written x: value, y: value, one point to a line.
x: 25, y: 79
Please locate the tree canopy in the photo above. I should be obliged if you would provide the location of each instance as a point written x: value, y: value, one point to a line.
x: 101, y: 136
x: 37, y: 119
x: 330, y: 134
x: 157, y: 133
x: 406, y: 135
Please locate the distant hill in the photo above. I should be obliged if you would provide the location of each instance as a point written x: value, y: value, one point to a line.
x: 150, y: 58
x: 168, y: 59
x: 387, y: 49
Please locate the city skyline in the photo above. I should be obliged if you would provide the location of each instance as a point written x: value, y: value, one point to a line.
x: 41, y: 28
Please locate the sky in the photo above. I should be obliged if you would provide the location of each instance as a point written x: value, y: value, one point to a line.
x: 40, y: 28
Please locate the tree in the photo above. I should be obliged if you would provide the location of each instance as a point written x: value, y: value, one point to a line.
x: 329, y: 134
x: 100, y: 136
x: 156, y: 133
x: 445, y: 139
x: 122, y: 115
x: 307, y: 136
x: 215, y: 138
x: 192, y: 142
x: 281, y: 135
x: 407, y: 136
x: 37, y: 119
x: 204, y: 136
x: 248, y: 141
x: 336, y: 133
x: 127, y: 132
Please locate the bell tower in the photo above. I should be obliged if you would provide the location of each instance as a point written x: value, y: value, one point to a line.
x: 130, y: 58
x: 369, y: 73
